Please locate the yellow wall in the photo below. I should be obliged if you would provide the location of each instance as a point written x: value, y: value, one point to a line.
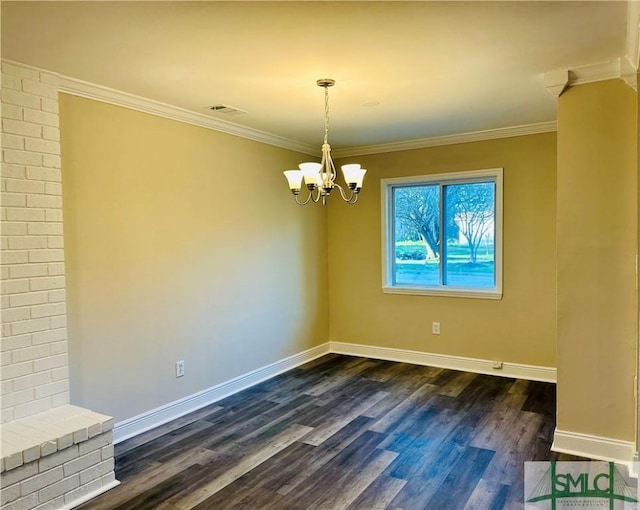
x: 521, y: 327
x: 597, y: 248
x: 180, y: 243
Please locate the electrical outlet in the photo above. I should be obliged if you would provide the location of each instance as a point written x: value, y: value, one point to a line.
x: 435, y: 328
x: 179, y: 368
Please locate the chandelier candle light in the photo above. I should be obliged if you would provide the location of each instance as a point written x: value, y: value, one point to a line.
x: 320, y: 177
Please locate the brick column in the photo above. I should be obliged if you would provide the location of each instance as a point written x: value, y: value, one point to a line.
x: 53, y: 454
x: 34, y: 336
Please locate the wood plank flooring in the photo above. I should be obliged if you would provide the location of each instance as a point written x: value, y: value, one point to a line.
x: 346, y: 433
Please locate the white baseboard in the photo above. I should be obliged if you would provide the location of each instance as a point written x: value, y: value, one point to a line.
x: 166, y: 413
x: 593, y: 447
x: 91, y: 495
x: 480, y: 366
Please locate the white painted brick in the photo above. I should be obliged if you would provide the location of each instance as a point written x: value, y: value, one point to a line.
x: 13, y: 460
x: 51, y: 133
x: 4, y: 275
x: 49, y: 336
x: 107, y: 452
x: 55, y: 296
x: 52, y: 504
x: 27, y: 243
x: 58, y: 458
x: 6, y: 415
x: 14, y: 257
x: 44, y: 174
x: 49, y: 78
x: 58, y: 322
x: 38, y: 145
x: 41, y: 480
x: 12, y: 200
x: 26, y: 503
x: 81, y: 463
x: 31, y: 381
x: 21, y: 71
x: 61, y: 399
x: 53, y: 188
x: 82, y: 491
x: 60, y: 488
x: 6, y: 387
x: 15, y: 371
x: 15, y: 286
x: 51, y: 389
x: 59, y: 347
x: 15, y: 342
x: 9, y: 81
x: 45, y: 229
x: 96, y: 443
x: 20, y: 98
x: 47, y: 283
x: 14, y: 229
x: 23, y: 186
x: 16, y: 214
x: 10, y: 493
x: 16, y: 314
x: 5, y: 359
x: 80, y: 435
x: 4, y: 300
x: 12, y: 171
x: 12, y: 141
x: 40, y: 117
x: 48, y: 448
x: 30, y: 326
x: 14, y: 399
x: 54, y: 215
x: 10, y: 111
x: 20, y: 127
x: 57, y: 375
x: 48, y: 310
x: 44, y: 201
x: 49, y: 105
x: 23, y: 158
x: 46, y: 256
x: 51, y: 161
x: 28, y: 270
x: 40, y: 89
x: 97, y: 471
x: 31, y: 408
x: 31, y: 353
x: 43, y: 364
x: 56, y: 242
x: 28, y: 299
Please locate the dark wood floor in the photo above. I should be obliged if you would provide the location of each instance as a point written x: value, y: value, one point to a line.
x: 345, y: 433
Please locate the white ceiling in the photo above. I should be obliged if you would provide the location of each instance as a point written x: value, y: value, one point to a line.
x: 435, y: 68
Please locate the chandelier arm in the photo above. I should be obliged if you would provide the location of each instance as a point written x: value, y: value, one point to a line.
x: 317, y: 197
x: 305, y: 202
x: 351, y: 199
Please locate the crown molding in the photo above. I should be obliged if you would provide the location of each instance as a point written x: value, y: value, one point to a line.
x: 116, y: 97
x: 435, y: 141
x: 558, y: 80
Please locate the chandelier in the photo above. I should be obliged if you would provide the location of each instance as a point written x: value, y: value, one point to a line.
x: 320, y: 177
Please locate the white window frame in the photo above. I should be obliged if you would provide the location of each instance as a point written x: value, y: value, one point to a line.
x: 388, y: 249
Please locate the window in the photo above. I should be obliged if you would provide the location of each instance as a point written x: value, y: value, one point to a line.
x: 442, y: 234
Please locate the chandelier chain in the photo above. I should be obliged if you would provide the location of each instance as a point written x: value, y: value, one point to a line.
x: 326, y: 114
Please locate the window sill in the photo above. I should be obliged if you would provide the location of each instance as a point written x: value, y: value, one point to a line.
x: 459, y: 293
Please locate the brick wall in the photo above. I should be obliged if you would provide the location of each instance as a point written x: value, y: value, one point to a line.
x: 53, y: 455
x: 34, y: 336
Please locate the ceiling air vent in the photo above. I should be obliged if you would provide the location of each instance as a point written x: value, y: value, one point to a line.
x: 226, y: 109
